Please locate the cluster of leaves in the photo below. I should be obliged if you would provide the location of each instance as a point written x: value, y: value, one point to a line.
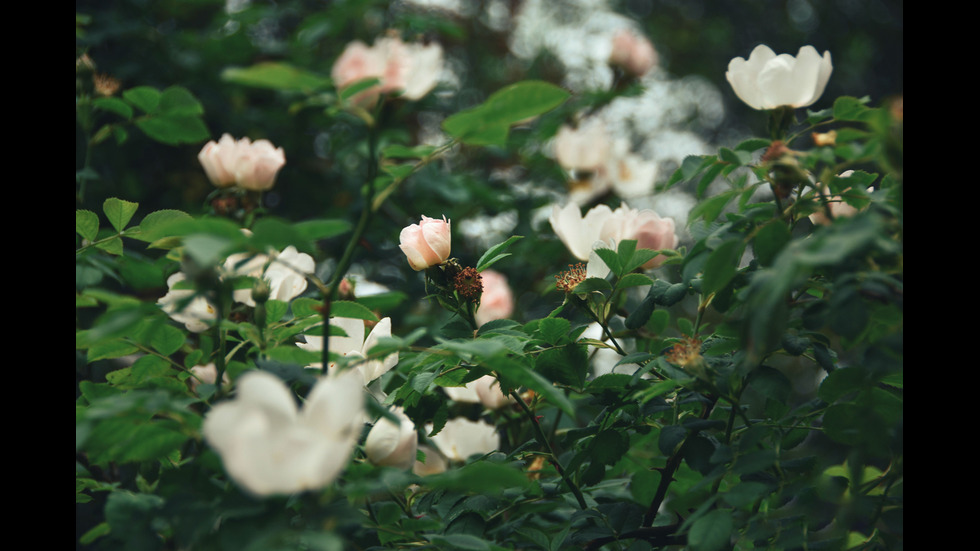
x: 697, y: 438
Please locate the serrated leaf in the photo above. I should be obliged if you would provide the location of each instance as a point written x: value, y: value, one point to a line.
x: 154, y: 225
x: 634, y: 280
x: 114, y: 105
x: 119, y: 212
x: 349, y: 309
x: 591, y: 285
x: 145, y: 98
x: 554, y: 330
x: 721, y: 265
x: 86, y: 224
x: 178, y: 101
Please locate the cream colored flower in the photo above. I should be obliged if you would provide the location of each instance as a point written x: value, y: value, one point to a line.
x: 286, y: 273
x: 392, y: 445
x: 633, y: 52
x: 355, y: 345
x: 462, y: 438
x: 645, y: 226
x: 768, y: 81
x: 497, y: 301
x: 405, y: 70
x: 269, y: 446
x: 195, y: 313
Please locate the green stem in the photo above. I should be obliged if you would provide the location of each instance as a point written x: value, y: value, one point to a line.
x: 552, y: 458
x: 348, y: 255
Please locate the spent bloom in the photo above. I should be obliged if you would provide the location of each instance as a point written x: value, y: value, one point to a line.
x: 250, y: 165
x: 285, y: 271
x: 356, y: 345
x: 427, y: 243
x: 633, y: 52
x: 269, y: 446
x: 392, y: 445
x: 407, y: 70
x: 497, y: 301
x: 768, y: 81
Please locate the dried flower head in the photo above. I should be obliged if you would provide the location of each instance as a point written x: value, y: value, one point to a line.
x: 686, y: 352
x: 469, y: 284
x: 570, y: 278
x: 105, y: 85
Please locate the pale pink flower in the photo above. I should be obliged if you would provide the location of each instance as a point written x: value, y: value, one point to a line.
x: 251, y: 166
x: 645, y: 226
x: 583, y: 149
x: 838, y: 207
x: 578, y: 233
x: 497, y: 301
x: 406, y: 70
x: 206, y: 375
x: 485, y: 390
x: 633, y: 52
x: 427, y: 243
x: 286, y: 273
x: 356, y: 345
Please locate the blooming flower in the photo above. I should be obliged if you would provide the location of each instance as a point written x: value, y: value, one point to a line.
x: 645, y: 226
x: 462, y: 438
x: 497, y: 301
x: 485, y: 390
x: 285, y: 271
x: 251, y: 166
x: 768, y: 81
x: 408, y: 70
x: 632, y: 52
x: 195, y: 313
x: 434, y: 462
x: 355, y: 345
x: 427, y: 243
x: 270, y: 447
x: 598, y: 164
x: 391, y: 445
x: 579, y: 233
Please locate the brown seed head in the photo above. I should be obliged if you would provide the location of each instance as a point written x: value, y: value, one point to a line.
x: 469, y: 284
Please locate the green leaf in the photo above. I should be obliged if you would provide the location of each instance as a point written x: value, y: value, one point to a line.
x: 154, y: 225
x: 86, y: 224
x: 849, y: 109
x: 634, y: 280
x: 167, y: 339
x: 770, y: 240
x: 611, y: 258
x: 489, y: 123
x: 709, y: 209
x: 711, y: 532
x: 114, y: 105
x: 721, y: 265
x: 403, y: 152
x: 554, y: 330
x: 174, y: 129
x: 591, y: 285
x: 349, y: 309
x: 119, y: 212
x: 275, y: 75
x: 481, y: 477
x: 177, y: 101
x: 494, y: 253
x: 145, y: 98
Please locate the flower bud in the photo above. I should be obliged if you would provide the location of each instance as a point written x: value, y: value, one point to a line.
x: 633, y: 53
x: 391, y: 445
x: 427, y: 243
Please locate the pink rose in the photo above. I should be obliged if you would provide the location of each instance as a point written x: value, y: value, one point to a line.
x: 251, y: 166
x: 427, y: 243
x: 408, y: 70
x: 497, y: 301
x: 645, y: 226
x: 633, y: 53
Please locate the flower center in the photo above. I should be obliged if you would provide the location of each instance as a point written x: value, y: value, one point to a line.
x: 570, y: 278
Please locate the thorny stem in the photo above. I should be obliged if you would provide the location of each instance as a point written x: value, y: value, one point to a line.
x: 552, y: 458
